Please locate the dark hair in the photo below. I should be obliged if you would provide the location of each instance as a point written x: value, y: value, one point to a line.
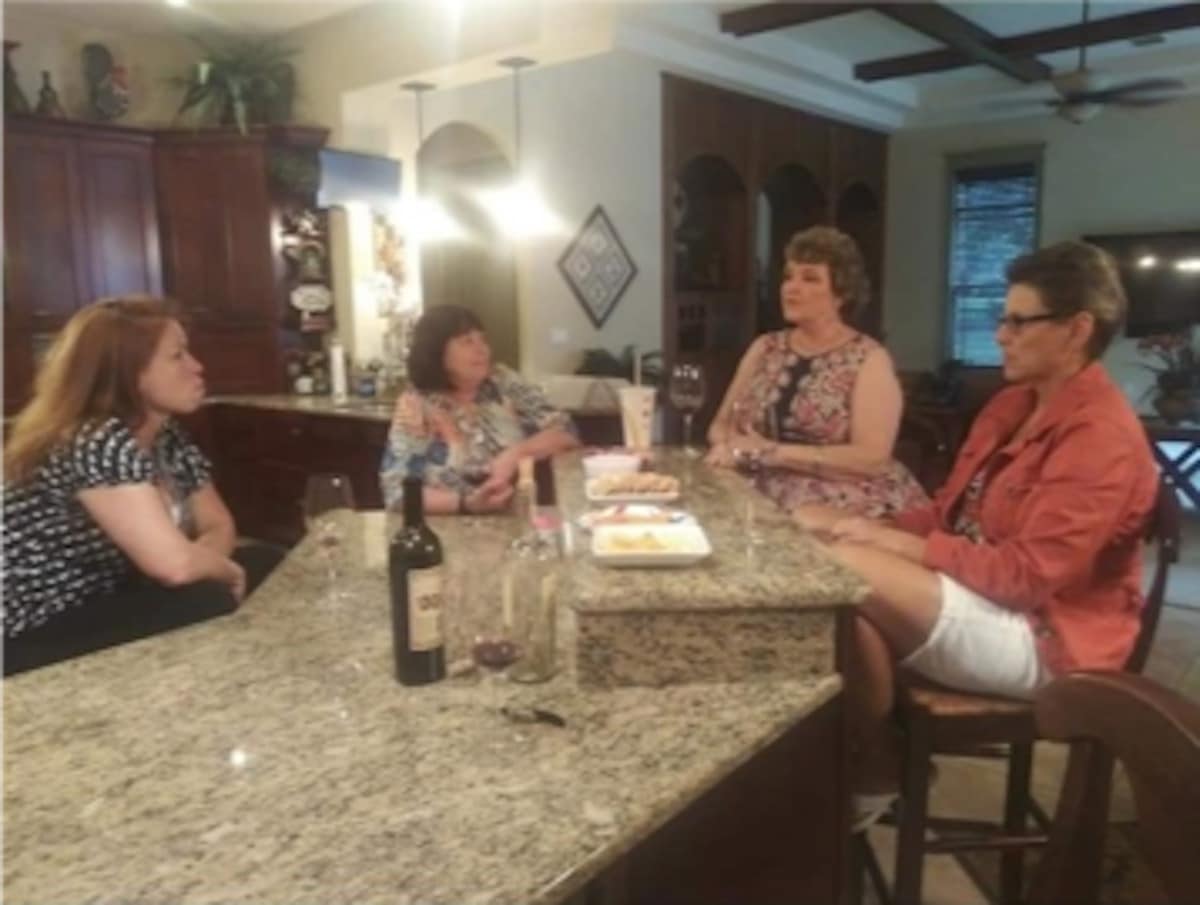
x: 1073, y: 277
x: 436, y: 327
x: 840, y: 253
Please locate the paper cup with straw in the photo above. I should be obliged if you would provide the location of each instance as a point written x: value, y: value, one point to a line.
x: 637, y: 415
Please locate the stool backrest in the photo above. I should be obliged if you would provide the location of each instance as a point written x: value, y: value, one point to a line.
x: 1155, y: 734
x: 1163, y: 530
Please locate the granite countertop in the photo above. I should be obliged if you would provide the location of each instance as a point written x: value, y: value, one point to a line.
x: 373, y: 409
x: 269, y: 756
x: 785, y: 569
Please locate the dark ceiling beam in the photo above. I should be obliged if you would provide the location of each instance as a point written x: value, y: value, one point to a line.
x: 1099, y: 31
x: 962, y: 35
x: 753, y: 20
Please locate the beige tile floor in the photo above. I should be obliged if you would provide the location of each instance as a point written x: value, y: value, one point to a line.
x: 976, y: 788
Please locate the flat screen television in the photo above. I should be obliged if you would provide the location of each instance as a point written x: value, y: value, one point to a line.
x: 1161, y: 274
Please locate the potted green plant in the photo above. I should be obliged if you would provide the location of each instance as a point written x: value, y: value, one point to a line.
x: 240, y: 82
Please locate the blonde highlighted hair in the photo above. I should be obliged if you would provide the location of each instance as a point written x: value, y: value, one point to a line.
x: 89, y: 375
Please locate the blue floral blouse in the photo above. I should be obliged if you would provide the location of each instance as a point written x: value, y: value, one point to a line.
x: 451, y: 445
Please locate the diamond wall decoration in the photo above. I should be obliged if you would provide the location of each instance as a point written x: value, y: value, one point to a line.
x: 597, y: 267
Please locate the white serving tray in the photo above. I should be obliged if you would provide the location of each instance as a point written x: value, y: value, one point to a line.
x: 677, y: 545
x: 604, y: 500
x: 633, y: 515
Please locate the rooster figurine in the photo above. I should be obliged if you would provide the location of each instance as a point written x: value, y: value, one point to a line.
x: 108, y: 87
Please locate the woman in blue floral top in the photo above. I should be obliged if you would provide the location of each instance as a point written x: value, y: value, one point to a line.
x: 467, y: 422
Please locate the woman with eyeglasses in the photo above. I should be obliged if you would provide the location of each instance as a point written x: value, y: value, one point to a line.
x: 1027, y: 563
x: 113, y: 529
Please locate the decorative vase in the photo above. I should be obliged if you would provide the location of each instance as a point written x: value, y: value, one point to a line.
x: 1177, y: 406
x: 14, y: 98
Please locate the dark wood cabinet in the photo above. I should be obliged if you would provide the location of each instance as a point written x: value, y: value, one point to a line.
x: 121, y: 216
x: 80, y: 223
x: 223, y: 198
x: 216, y: 225
x: 263, y: 458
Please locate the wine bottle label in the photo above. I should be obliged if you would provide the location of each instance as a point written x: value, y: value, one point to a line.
x: 425, y: 604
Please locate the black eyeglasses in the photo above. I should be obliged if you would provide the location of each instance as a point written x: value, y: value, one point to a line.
x: 1017, y: 321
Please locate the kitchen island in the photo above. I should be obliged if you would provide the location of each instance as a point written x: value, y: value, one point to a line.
x: 270, y: 756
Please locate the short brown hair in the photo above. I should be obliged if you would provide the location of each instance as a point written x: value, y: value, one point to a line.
x: 840, y: 253
x: 89, y: 374
x: 1073, y: 277
x: 436, y: 327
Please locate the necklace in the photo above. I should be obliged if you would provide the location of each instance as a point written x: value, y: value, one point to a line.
x: 797, y: 344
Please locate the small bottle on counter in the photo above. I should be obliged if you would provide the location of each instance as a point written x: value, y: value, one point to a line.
x: 547, y: 521
x: 337, y: 371
x: 416, y: 578
x: 524, y: 505
x: 533, y: 574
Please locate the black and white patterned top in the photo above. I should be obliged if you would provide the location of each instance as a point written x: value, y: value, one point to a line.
x: 55, y: 556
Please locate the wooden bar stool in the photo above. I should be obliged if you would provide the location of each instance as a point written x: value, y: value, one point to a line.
x: 939, y: 720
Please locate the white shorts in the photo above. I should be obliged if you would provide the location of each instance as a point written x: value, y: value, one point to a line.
x: 979, y: 646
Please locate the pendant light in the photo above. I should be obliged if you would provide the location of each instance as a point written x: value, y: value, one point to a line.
x: 518, y: 209
x: 425, y: 219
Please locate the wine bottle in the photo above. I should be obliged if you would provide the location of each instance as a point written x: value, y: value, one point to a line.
x: 415, y: 573
x: 547, y: 520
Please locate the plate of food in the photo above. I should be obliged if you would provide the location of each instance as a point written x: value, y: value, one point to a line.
x: 633, y: 514
x: 642, y: 546
x: 639, y: 487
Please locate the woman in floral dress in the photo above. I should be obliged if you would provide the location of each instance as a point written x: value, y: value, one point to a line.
x: 817, y: 405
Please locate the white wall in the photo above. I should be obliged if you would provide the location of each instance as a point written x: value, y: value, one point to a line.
x: 591, y: 134
x: 1125, y: 170
x: 55, y: 46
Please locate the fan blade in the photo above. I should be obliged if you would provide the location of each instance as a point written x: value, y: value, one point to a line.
x: 1107, y: 95
x: 1140, y: 101
x: 1146, y: 85
x: 1019, y: 103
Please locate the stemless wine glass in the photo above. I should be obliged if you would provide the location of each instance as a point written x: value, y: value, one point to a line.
x: 686, y: 390
x: 328, y: 501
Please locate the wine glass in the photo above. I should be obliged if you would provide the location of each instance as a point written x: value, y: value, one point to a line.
x: 751, y: 418
x: 686, y: 390
x: 328, y: 501
x: 494, y: 645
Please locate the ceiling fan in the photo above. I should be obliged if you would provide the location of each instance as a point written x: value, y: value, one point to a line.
x: 1083, y: 92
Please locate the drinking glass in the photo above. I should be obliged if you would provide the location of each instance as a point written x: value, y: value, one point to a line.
x: 750, y: 417
x: 494, y: 644
x: 686, y: 390
x: 328, y: 502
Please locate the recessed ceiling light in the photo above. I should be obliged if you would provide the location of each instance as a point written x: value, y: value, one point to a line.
x: 177, y: 3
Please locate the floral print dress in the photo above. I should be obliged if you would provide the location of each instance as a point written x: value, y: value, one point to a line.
x: 450, y: 444
x: 809, y: 400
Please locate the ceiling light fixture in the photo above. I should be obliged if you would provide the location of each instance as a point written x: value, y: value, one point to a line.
x: 1145, y: 262
x: 519, y: 209
x: 177, y: 3
x: 425, y: 219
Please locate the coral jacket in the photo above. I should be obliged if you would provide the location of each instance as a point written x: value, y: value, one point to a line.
x: 1063, y: 513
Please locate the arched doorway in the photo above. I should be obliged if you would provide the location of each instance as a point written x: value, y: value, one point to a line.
x: 478, y: 272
